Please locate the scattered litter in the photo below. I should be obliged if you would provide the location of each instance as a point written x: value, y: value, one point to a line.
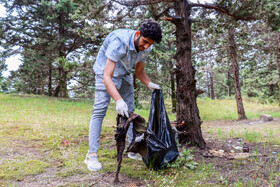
x: 238, y: 147
x: 231, y: 155
x: 275, y: 145
x: 266, y: 117
x: 245, y: 149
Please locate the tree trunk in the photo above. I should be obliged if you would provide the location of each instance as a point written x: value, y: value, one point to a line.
x: 173, y: 95
x: 278, y: 55
x: 50, y: 78
x: 235, y: 70
x: 172, y: 85
x: 187, y: 111
x: 63, y: 82
x: 136, y: 95
x: 62, y: 74
x: 61, y: 89
x: 278, y: 62
x: 212, y: 86
x: 228, y: 84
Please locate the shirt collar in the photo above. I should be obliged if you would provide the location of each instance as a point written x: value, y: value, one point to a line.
x: 131, y: 44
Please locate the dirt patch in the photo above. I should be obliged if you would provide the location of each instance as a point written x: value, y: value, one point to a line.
x: 48, y: 178
x: 19, y: 150
x: 262, y: 166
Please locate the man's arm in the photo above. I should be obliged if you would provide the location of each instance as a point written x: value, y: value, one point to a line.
x: 141, y: 74
x: 107, y: 77
x: 143, y: 77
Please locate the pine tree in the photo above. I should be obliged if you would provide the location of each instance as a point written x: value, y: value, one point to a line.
x: 46, y: 29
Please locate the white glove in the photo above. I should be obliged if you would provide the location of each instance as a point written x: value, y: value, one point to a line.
x: 122, y: 108
x: 153, y: 86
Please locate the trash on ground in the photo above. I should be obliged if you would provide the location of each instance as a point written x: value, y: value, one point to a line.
x: 231, y: 155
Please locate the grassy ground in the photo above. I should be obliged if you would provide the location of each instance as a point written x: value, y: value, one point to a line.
x: 43, y: 141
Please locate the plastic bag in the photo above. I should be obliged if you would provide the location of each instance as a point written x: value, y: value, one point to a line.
x: 162, y: 148
x: 155, y: 141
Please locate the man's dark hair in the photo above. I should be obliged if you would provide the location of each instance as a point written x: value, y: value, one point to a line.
x: 150, y: 29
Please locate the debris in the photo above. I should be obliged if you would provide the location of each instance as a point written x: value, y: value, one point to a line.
x: 231, y: 155
x: 207, y: 154
x: 238, y: 147
x: 245, y: 149
x: 217, y: 153
x: 266, y: 117
x: 123, y: 124
x: 238, y: 155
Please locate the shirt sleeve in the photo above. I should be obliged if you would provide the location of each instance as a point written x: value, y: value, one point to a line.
x: 116, y: 50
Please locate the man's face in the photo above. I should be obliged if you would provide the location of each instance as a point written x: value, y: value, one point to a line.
x: 143, y: 43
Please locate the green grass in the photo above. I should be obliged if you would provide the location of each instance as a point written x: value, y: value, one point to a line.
x: 211, y: 110
x: 17, y: 170
x: 39, y: 133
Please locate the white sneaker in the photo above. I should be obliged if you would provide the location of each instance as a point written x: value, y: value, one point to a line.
x: 134, y: 156
x: 92, y: 163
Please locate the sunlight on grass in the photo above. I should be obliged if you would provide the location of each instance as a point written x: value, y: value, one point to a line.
x: 211, y: 110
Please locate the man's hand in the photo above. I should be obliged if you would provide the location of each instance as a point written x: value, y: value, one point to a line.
x: 153, y: 86
x: 122, y: 108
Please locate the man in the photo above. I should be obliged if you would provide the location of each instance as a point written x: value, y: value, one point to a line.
x: 122, y: 50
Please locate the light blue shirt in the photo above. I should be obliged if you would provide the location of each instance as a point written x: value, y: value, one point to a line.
x: 119, y: 47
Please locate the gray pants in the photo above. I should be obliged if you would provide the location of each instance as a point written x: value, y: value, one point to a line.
x: 102, y: 100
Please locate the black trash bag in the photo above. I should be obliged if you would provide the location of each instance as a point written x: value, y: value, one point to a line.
x: 162, y: 148
x: 154, y: 141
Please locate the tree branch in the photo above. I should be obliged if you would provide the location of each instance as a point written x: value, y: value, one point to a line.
x: 139, y: 2
x: 221, y: 84
x: 163, y: 12
x: 222, y: 10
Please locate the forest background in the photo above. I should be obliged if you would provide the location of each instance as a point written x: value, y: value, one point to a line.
x: 217, y: 50
x: 59, y: 40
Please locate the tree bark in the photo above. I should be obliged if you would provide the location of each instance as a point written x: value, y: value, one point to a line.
x: 278, y: 62
x: 188, y: 119
x: 172, y: 85
x: 173, y: 95
x: 278, y: 55
x: 50, y: 78
x: 212, y: 86
x: 136, y: 95
x: 235, y: 70
x: 228, y: 83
